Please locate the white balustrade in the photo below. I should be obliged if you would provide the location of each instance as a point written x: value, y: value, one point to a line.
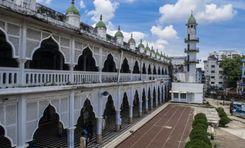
x: 109, y: 77
x: 136, y: 77
x: 125, y: 77
x: 81, y: 77
x: 8, y: 77
x: 36, y: 77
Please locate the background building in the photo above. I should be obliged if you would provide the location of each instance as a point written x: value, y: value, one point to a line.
x: 179, y: 68
x: 200, y: 76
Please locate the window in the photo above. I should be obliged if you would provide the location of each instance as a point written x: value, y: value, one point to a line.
x: 212, y: 77
x: 220, y: 82
x: 212, y: 71
x: 220, y: 72
x: 212, y: 82
x: 176, y: 95
x: 182, y: 96
x: 213, y: 66
x: 221, y: 77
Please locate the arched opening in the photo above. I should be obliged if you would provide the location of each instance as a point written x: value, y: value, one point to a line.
x: 162, y: 71
x: 143, y: 69
x: 50, y: 130
x: 6, y: 53
x: 143, y: 101
x: 159, y: 96
x: 159, y: 71
x: 125, y: 110
x: 47, y: 56
x: 149, y: 69
x: 149, y: 99
x: 109, y: 65
x: 136, y: 102
x: 4, y: 141
x: 166, y: 94
x: 86, y: 123
x: 154, y: 70
x: 125, y: 67
x: 154, y: 98
x: 86, y: 61
x: 136, y: 67
x: 166, y: 72
x: 109, y: 116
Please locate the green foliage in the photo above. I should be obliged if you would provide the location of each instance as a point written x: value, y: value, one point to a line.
x: 199, y: 136
x: 224, y: 119
x: 232, y: 70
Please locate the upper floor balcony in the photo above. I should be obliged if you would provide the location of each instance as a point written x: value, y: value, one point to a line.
x: 189, y: 39
x: 188, y: 50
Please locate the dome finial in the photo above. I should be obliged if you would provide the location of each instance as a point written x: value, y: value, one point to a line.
x: 131, y: 35
x: 119, y: 28
x: 101, y: 17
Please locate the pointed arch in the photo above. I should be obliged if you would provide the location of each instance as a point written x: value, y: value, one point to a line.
x: 154, y: 98
x: 143, y: 101
x: 136, y: 67
x: 136, y: 102
x: 154, y: 70
x: 125, y: 109
x: 49, y: 126
x: 159, y: 70
x: 109, y: 64
x: 6, y: 52
x: 4, y: 141
x: 149, y: 99
x: 163, y: 71
x: 47, y: 56
x: 149, y: 69
x: 86, y: 121
x: 125, y: 67
x: 143, y: 69
x: 86, y: 61
x: 109, y: 114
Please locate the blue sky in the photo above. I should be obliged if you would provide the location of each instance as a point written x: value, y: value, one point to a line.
x: 162, y: 22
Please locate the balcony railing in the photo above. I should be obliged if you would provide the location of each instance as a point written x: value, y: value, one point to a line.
x: 191, y: 50
x: 10, y: 77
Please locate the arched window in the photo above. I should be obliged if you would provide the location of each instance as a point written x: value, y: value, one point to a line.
x: 154, y: 70
x: 149, y: 69
x: 136, y: 67
x: 159, y: 71
x: 6, y: 53
x: 4, y: 141
x: 86, y: 61
x: 125, y: 67
x: 47, y: 56
x: 109, y: 65
x: 144, y: 69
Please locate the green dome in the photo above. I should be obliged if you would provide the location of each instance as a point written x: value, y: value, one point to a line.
x: 147, y: 48
x: 119, y: 33
x: 100, y: 24
x: 192, y: 20
x: 141, y: 45
x: 131, y: 40
x: 72, y: 10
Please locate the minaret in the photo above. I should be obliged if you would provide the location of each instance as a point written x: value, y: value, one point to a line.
x: 119, y: 36
x: 73, y: 15
x: 191, y: 40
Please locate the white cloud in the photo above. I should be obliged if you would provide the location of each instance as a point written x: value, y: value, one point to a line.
x: 45, y: 1
x: 130, y: 1
x: 105, y: 7
x: 204, y: 11
x: 164, y: 33
x: 82, y: 4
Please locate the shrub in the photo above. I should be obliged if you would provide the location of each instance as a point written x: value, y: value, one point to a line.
x: 224, y: 119
x: 197, y: 143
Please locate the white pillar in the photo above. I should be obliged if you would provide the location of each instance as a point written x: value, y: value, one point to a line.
x: 21, y: 122
x: 130, y: 113
x: 118, y: 120
x: 99, y: 130
x: 21, y: 78
x: 146, y: 105
x: 70, y: 136
x: 100, y: 65
x: 157, y: 103
x: 71, y: 78
x: 140, y: 108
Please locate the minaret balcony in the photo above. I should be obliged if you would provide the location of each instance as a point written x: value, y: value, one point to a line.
x: 188, y: 50
x: 192, y: 61
x: 187, y: 40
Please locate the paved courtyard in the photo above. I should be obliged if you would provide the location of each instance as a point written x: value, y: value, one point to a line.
x: 168, y: 129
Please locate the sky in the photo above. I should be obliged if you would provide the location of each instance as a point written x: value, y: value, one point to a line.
x: 161, y: 23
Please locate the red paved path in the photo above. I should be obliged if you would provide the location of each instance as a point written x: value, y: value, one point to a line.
x: 168, y: 129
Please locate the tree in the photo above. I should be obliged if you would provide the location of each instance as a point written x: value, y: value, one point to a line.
x: 232, y: 70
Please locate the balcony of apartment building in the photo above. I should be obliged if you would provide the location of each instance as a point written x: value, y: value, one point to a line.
x: 47, y: 67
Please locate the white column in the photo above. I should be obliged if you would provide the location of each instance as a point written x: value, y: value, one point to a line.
x: 100, y: 65
x: 70, y: 136
x: 21, y: 122
x: 140, y: 108
x: 21, y: 77
x: 130, y: 113
x: 71, y: 78
x: 157, y: 103
x: 99, y: 130
x: 146, y: 105
x: 118, y: 120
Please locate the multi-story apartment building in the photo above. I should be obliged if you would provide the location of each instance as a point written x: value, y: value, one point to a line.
x: 241, y: 84
x: 59, y: 76
x: 200, y: 76
x: 213, y: 73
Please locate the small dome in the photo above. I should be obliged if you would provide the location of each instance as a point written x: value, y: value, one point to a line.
x: 192, y: 20
x: 131, y: 40
x: 119, y: 33
x: 141, y: 45
x: 72, y: 9
x: 147, y: 48
x: 100, y: 24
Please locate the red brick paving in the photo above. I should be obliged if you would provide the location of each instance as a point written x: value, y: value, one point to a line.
x: 168, y: 129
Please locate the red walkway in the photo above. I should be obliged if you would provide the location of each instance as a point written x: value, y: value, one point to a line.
x: 169, y: 129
